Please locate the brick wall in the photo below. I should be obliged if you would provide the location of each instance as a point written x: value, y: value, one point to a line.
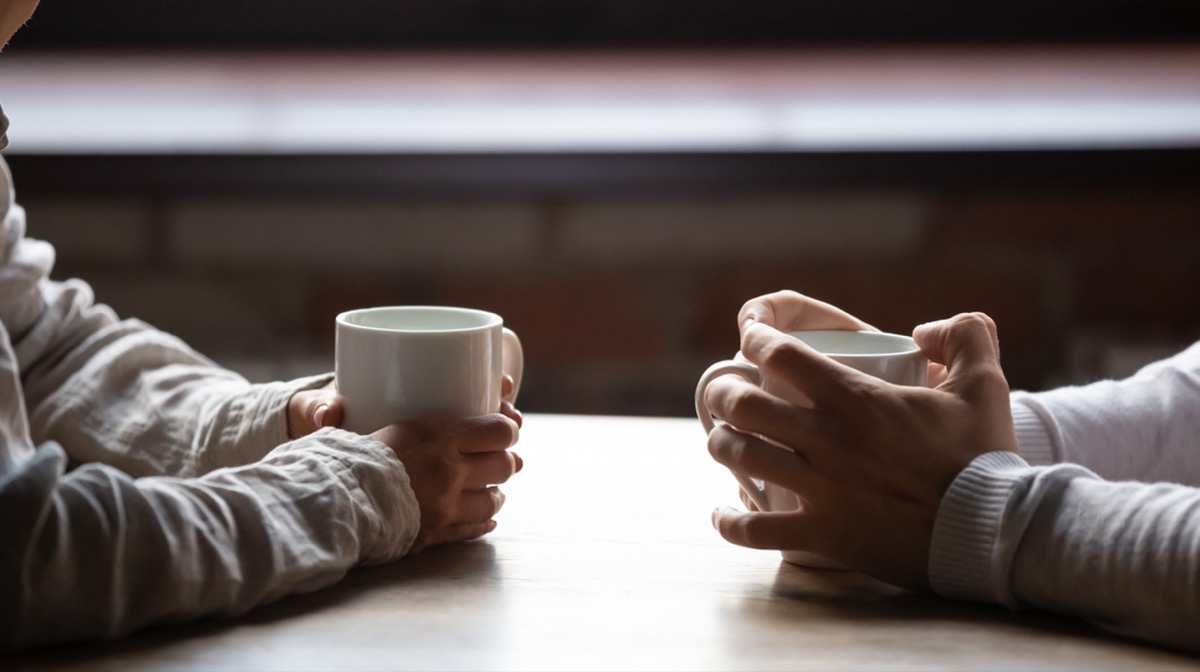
x: 621, y: 301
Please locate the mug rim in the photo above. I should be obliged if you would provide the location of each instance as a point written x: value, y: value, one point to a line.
x: 905, y: 345
x: 489, y: 319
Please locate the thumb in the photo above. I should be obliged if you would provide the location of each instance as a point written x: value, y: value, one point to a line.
x: 310, y: 410
x: 967, y: 344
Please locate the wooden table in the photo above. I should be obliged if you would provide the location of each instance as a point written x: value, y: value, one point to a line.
x: 605, y: 559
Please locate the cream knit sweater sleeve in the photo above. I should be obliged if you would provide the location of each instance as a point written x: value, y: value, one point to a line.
x: 1108, y: 528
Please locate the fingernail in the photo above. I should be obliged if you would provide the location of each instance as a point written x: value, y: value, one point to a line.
x: 319, y: 415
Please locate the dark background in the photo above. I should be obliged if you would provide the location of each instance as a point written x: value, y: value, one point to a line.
x: 483, y: 24
x: 1088, y: 257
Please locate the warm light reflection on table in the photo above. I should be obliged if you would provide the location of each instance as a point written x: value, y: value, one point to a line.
x: 604, y: 560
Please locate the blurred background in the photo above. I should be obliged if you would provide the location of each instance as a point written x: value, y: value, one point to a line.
x: 616, y: 178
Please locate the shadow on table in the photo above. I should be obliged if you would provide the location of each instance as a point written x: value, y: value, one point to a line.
x: 475, y: 560
x: 834, y: 595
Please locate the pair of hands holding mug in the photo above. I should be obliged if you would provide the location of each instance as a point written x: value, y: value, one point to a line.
x: 869, y: 460
x: 453, y: 464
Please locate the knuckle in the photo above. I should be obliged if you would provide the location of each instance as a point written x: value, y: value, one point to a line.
x: 495, y: 432
x: 725, y: 444
x: 507, y: 468
x: 965, y: 323
x: 987, y: 320
x: 864, y: 394
x: 718, y: 440
x: 734, y: 402
x: 778, y: 356
x: 743, y: 402
x: 992, y: 384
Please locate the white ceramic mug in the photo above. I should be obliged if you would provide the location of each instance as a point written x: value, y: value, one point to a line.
x: 396, y: 363
x: 891, y: 357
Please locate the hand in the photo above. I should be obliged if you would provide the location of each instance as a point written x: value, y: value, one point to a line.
x: 454, y: 466
x: 871, y: 460
x: 787, y: 310
x: 310, y: 410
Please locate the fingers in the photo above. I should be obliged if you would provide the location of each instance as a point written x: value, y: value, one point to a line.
x: 752, y: 411
x: 793, y: 362
x: 966, y: 336
x: 451, y: 535
x: 487, y: 433
x: 484, y: 469
x: 454, y: 465
x: 507, y: 408
x: 968, y: 345
x: 755, y: 457
x: 745, y: 405
x: 478, y: 506
x: 792, y: 311
x: 467, y: 515
x: 765, y: 530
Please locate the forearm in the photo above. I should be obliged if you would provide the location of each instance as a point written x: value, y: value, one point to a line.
x: 141, y: 400
x: 97, y: 554
x: 1123, y: 555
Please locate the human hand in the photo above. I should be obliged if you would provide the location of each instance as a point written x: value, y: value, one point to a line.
x: 871, y: 459
x: 310, y: 410
x: 454, y: 466
x: 788, y: 310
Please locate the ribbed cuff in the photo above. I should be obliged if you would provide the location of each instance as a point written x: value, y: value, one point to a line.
x: 967, y: 560
x: 1033, y: 439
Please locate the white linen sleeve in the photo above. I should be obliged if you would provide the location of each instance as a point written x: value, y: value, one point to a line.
x: 95, y: 553
x: 130, y: 396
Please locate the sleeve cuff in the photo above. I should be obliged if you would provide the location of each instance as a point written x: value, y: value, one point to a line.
x: 1033, y: 438
x: 387, y: 514
x: 967, y: 555
x: 259, y: 418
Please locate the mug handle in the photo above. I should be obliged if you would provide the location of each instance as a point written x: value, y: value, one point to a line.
x: 751, y: 373
x: 514, y: 362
